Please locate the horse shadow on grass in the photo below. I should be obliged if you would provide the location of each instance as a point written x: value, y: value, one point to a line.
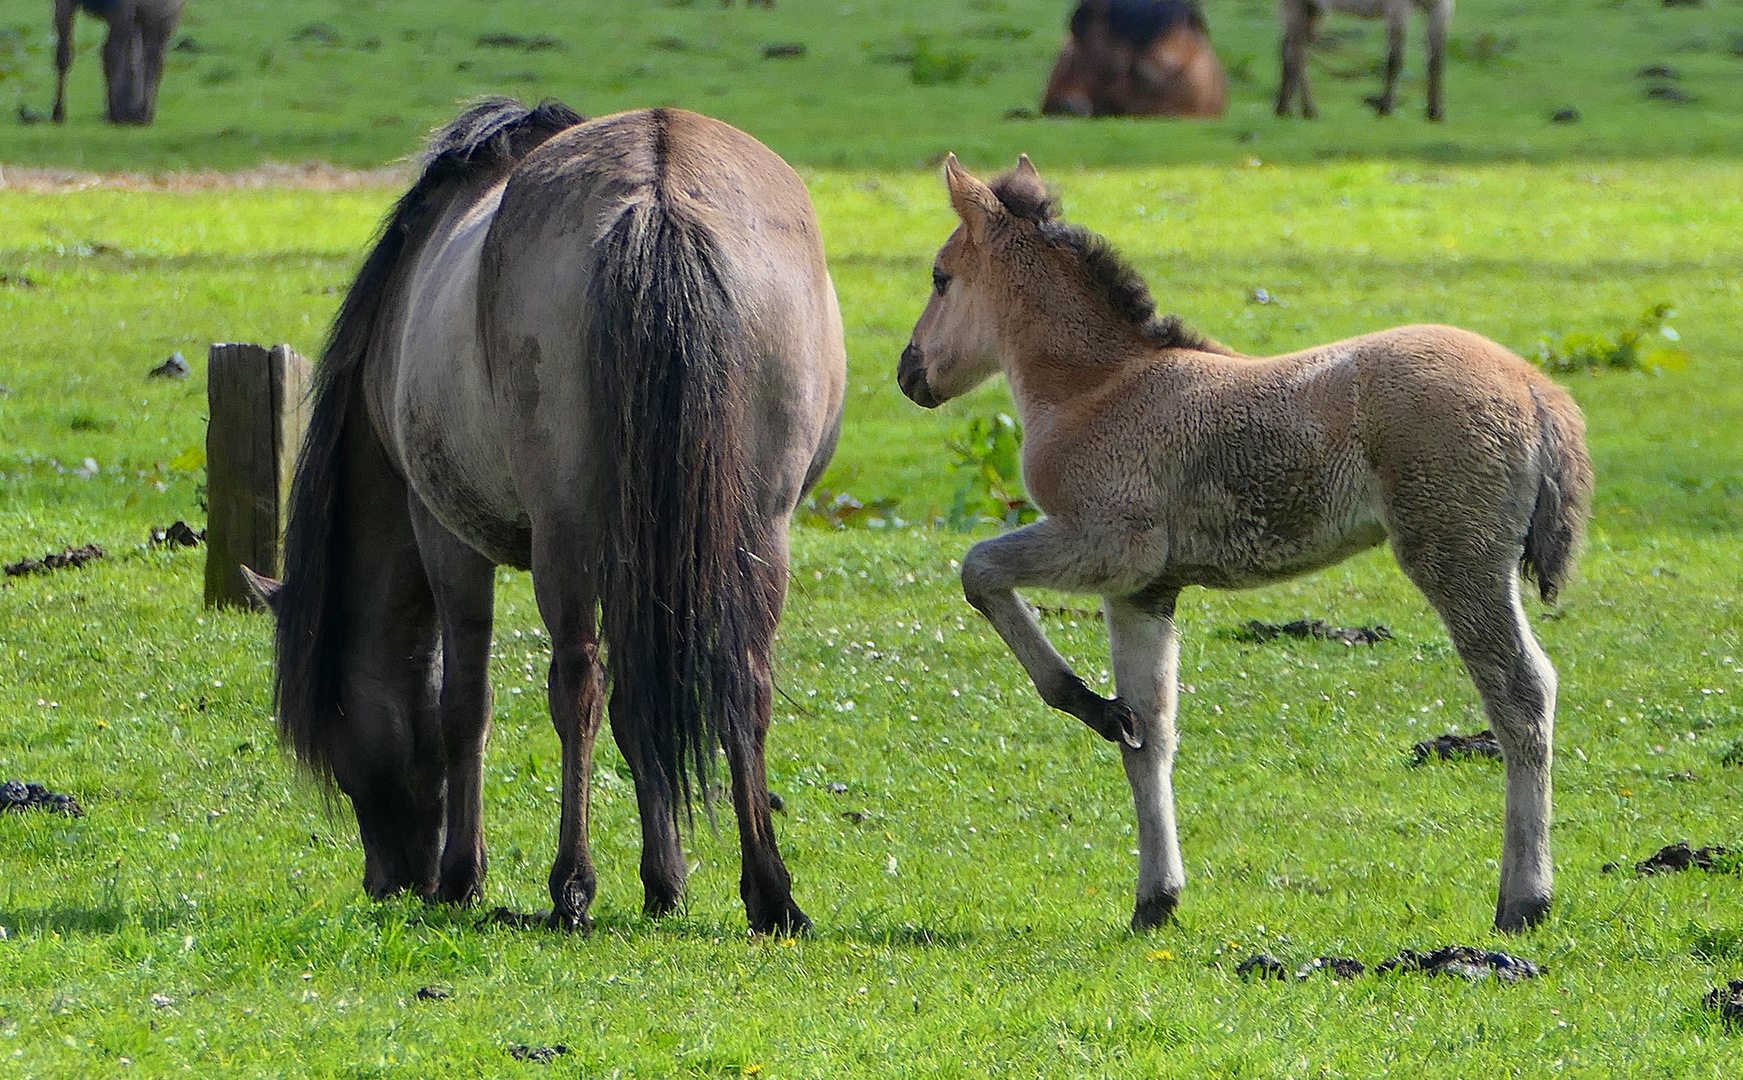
x: 92, y: 919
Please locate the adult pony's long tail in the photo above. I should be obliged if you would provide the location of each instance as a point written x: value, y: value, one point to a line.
x: 689, y: 592
x: 483, y: 141
x: 1564, y: 492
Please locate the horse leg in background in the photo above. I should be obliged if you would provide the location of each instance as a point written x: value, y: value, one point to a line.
x: 568, y: 601
x: 1438, y: 17
x: 663, y: 869
x: 1484, y: 616
x: 155, y: 28
x: 1300, y: 21
x: 464, y: 586
x: 764, y: 883
x: 1397, y: 25
x: 1146, y: 659
x: 120, y: 71
x: 64, y: 11
x: 1043, y: 555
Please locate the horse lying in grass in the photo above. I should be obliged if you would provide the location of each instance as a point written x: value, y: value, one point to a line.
x: 139, y: 33
x: 1163, y: 460
x: 608, y: 352
x: 1300, y: 21
x: 1137, y: 58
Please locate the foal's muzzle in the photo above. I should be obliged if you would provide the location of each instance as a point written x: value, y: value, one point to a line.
x: 911, y: 377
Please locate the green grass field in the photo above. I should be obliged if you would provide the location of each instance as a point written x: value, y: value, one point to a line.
x: 972, y: 883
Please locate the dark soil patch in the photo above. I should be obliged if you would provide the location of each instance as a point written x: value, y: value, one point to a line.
x: 1568, y: 115
x: 783, y: 50
x: 179, y: 534
x: 541, y: 43
x: 1462, y: 960
x: 1339, y: 967
x: 1672, y: 94
x: 1318, y: 629
x: 542, y: 1055
x: 74, y: 557
x: 1261, y: 966
x: 1677, y: 857
x: 1452, y: 747
x: 1659, y: 71
x: 520, y: 920
x: 1727, y: 1000
x: 17, y: 795
x: 434, y: 993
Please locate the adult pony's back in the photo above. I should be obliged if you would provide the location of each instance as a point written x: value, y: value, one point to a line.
x: 1137, y: 58
x: 608, y: 352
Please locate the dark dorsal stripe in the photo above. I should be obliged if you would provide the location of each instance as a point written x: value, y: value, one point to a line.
x: 1137, y: 22
x: 1110, y: 274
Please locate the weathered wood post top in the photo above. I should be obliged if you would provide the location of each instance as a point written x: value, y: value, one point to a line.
x: 257, y: 401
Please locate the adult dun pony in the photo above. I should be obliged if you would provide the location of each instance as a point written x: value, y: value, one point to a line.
x: 1164, y: 460
x: 1137, y: 58
x: 608, y: 352
x: 1300, y: 21
x: 139, y: 32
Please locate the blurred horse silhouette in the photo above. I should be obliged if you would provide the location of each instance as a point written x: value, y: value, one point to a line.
x: 139, y: 32
x: 1137, y: 58
x: 1300, y: 19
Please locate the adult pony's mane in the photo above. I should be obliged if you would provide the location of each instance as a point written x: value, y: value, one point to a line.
x: 1109, y: 272
x: 1137, y: 22
x: 482, y: 142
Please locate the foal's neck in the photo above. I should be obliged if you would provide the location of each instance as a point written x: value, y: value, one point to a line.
x: 1051, y: 356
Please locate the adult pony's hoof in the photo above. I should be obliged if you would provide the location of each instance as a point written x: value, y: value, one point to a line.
x: 1521, y: 915
x: 1153, y: 911
x: 1382, y: 106
x: 574, y: 922
x: 791, y: 922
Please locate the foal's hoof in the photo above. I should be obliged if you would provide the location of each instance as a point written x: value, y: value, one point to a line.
x: 1521, y: 915
x: 1154, y: 911
x: 1119, y: 724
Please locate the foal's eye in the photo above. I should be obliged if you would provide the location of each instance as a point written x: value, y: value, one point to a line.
x: 940, y: 281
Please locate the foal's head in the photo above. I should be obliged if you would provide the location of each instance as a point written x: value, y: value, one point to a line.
x: 1013, y: 278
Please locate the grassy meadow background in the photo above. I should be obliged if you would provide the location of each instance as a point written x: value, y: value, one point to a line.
x: 972, y: 882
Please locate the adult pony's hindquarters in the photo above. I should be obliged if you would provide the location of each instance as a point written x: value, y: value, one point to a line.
x: 605, y: 351
x: 1300, y: 21
x: 139, y: 32
x: 1137, y: 58
x: 1162, y: 460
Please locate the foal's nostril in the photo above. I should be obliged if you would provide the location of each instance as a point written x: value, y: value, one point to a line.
x: 911, y: 377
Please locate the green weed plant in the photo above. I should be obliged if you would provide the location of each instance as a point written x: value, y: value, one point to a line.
x: 1649, y: 345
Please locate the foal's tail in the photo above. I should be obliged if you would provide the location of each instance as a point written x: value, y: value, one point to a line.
x: 484, y: 140
x: 1564, y: 492
x: 689, y: 593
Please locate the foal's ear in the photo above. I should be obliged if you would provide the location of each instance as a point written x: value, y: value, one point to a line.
x: 972, y: 200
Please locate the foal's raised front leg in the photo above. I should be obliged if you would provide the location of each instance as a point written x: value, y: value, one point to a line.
x: 1146, y: 659
x: 1043, y: 555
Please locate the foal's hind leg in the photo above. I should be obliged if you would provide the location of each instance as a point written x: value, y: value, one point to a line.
x: 463, y: 583
x: 1482, y: 612
x: 568, y: 602
x: 1146, y: 656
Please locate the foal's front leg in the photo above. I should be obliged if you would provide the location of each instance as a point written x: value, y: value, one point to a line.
x: 1044, y: 555
x: 1146, y: 659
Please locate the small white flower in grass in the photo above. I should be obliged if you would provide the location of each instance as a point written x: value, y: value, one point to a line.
x: 890, y: 866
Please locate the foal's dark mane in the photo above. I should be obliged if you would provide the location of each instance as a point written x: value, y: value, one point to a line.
x: 1115, y: 278
x: 1137, y: 22
x: 482, y: 142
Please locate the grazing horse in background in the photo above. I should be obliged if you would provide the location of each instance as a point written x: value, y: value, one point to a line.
x: 1137, y: 58
x: 1164, y: 460
x: 139, y: 32
x: 1300, y: 19
x: 605, y: 351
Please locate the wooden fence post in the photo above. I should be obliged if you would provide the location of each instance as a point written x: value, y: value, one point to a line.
x: 257, y: 404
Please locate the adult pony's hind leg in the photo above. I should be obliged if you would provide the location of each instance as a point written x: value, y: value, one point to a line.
x: 1042, y: 555
x: 1300, y: 21
x: 1484, y: 616
x: 64, y: 11
x: 463, y: 584
x: 663, y: 869
x: 568, y: 600
x: 764, y: 883
x: 1146, y: 658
